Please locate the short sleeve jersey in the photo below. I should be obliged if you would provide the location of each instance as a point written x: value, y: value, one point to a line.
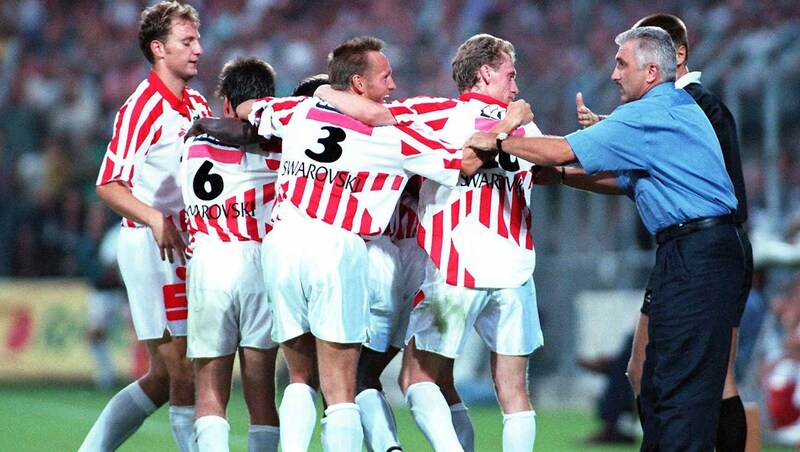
x: 145, y: 150
x: 342, y: 172
x: 665, y: 155
x: 229, y: 190
x: 478, y: 233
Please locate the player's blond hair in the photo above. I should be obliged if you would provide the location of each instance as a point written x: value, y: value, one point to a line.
x: 156, y: 22
x: 474, y: 53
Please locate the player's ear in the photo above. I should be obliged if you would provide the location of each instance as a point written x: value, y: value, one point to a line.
x: 485, y: 73
x: 157, y: 47
x: 680, y: 54
x: 227, y: 108
x: 358, y: 83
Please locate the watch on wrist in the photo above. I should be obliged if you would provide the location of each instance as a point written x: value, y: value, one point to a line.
x: 499, y: 143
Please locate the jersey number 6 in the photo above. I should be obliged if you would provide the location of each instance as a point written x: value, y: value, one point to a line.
x: 207, y: 186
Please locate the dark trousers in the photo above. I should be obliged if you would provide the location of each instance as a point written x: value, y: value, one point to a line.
x: 617, y: 398
x: 696, y: 280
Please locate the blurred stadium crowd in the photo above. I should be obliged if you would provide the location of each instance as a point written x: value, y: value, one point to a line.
x: 65, y: 68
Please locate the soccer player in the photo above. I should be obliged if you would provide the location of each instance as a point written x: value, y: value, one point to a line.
x: 338, y: 185
x: 138, y: 180
x: 465, y: 285
x: 229, y: 192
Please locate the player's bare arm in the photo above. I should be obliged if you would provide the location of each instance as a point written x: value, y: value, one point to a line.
x: 473, y: 159
x: 545, y: 150
x: 355, y: 106
x: 227, y: 130
x: 119, y: 198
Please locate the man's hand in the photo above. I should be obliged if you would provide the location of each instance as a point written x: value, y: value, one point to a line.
x: 198, y: 128
x: 482, y: 141
x: 473, y: 159
x: 168, y: 239
x: 518, y: 114
x: 585, y: 116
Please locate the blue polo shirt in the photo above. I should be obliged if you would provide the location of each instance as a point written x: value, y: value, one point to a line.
x: 664, y: 154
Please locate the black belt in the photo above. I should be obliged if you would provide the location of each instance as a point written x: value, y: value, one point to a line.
x: 681, y: 229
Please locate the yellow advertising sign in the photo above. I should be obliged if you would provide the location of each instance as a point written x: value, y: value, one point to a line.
x: 43, y: 332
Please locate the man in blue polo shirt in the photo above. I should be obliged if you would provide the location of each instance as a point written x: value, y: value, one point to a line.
x: 685, y: 199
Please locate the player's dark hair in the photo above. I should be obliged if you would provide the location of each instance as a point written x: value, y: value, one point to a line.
x: 473, y: 54
x: 246, y: 78
x: 672, y: 25
x: 349, y: 59
x: 309, y: 85
x: 156, y: 22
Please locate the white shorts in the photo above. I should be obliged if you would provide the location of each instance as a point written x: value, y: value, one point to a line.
x: 413, y: 260
x: 316, y: 278
x: 384, y: 292
x: 227, y: 299
x: 506, y: 319
x: 106, y: 307
x: 156, y: 288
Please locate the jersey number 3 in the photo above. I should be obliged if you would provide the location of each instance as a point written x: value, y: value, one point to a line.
x: 331, y: 151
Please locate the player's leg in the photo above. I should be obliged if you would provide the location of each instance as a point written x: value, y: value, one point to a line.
x: 377, y: 418
x: 298, y: 408
x: 458, y: 411
x: 181, y: 389
x: 258, y: 385
x: 213, y: 383
x: 510, y: 375
x: 337, y: 377
x: 420, y: 371
x: 636, y: 363
x: 129, y: 408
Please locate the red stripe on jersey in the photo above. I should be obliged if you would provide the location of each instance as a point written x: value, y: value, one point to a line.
x: 334, y: 200
x: 177, y: 314
x: 397, y: 183
x: 297, y: 190
x: 287, y: 104
x: 468, y: 201
x: 502, y: 230
x: 516, y: 209
x: 437, y: 124
x: 408, y: 150
x: 427, y: 107
x: 469, y: 280
x: 338, y: 119
x: 200, y: 225
x: 350, y: 213
x: 455, y: 208
x: 232, y: 221
x: 213, y: 222
x: 452, y: 266
x: 233, y: 156
x: 285, y: 120
x: 317, y: 190
x: 427, y: 142
x: 379, y: 181
x: 419, y: 297
x: 366, y: 225
x: 436, y: 238
x: 452, y: 163
x: 485, y: 206
x: 421, y: 235
x: 400, y: 110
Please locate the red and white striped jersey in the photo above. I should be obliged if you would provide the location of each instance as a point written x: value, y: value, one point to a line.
x: 342, y: 172
x: 405, y: 219
x: 479, y: 233
x: 229, y: 190
x: 145, y: 150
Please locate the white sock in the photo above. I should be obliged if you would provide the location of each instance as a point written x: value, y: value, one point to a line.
x: 181, y: 419
x: 463, y: 426
x: 377, y: 420
x: 212, y: 433
x: 121, y: 417
x: 105, y: 373
x: 263, y: 438
x: 432, y: 415
x: 341, y: 428
x: 298, y: 415
x: 519, y: 431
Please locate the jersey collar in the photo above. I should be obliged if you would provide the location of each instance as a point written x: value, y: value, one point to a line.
x: 483, y: 98
x: 688, y: 79
x: 179, y: 105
